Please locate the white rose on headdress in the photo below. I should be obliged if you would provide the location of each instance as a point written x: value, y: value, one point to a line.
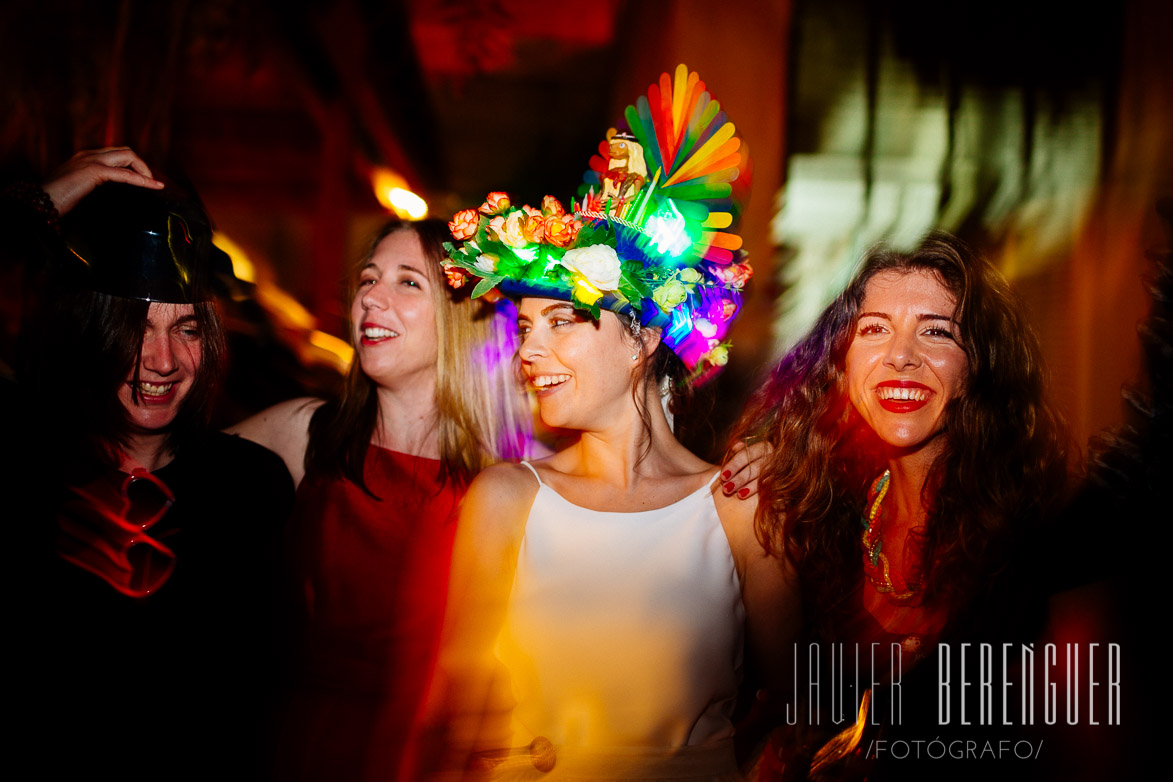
x: 513, y: 233
x: 597, y: 264
x: 485, y: 263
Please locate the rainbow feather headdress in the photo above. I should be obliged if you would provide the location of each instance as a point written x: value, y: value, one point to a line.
x: 653, y: 246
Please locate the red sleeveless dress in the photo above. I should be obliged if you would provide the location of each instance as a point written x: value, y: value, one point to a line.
x: 371, y: 578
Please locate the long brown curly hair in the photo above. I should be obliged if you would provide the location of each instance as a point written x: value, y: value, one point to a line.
x: 1003, y: 469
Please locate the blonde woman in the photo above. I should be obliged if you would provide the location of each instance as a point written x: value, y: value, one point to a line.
x: 429, y: 401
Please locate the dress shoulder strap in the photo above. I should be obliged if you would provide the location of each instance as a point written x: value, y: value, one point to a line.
x: 534, y: 471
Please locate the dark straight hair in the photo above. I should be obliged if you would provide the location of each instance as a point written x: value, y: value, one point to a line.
x: 89, y: 345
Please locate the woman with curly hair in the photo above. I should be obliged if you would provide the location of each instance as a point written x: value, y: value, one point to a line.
x: 913, y: 457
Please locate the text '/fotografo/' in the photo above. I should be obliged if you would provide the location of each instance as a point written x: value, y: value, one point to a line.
x: 957, y: 749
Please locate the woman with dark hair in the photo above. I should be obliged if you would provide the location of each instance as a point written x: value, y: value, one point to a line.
x: 154, y: 608
x: 910, y: 430
x: 606, y: 600
x: 429, y: 401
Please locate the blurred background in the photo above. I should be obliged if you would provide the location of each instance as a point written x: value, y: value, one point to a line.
x: 1039, y: 131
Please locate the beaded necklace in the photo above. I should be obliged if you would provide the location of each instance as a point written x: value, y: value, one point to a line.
x: 875, y: 564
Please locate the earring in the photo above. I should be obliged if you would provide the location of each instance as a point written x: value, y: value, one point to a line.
x: 635, y: 329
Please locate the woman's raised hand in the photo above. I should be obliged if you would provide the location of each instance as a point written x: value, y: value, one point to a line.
x: 87, y: 169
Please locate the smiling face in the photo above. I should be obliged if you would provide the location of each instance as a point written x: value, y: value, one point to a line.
x: 580, y: 370
x: 905, y: 362
x: 172, y: 351
x: 394, y: 313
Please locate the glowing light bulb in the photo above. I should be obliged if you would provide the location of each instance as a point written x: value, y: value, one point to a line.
x: 407, y: 204
x: 392, y: 191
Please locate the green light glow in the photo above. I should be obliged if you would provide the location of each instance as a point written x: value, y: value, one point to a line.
x: 666, y: 229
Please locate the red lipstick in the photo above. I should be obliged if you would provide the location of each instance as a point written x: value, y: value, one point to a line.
x: 365, y: 340
x: 913, y: 397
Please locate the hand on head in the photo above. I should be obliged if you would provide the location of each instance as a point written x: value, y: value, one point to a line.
x: 89, y: 168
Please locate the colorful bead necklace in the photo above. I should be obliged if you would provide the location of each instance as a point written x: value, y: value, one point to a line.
x: 875, y: 564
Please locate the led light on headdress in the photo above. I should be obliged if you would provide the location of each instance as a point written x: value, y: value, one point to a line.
x: 647, y: 234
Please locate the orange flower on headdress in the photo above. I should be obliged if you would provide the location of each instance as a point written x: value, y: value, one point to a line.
x: 534, y: 228
x: 735, y: 275
x: 455, y: 275
x: 495, y: 203
x: 552, y: 207
x: 464, y: 224
x: 562, y: 231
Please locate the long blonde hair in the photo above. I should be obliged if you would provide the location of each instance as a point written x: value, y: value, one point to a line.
x: 482, y: 413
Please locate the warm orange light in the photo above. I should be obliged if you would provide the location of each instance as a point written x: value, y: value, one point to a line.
x: 392, y: 191
x: 242, y: 267
x: 334, y: 346
x: 312, y: 346
x: 287, y: 311
x: 293, y: 320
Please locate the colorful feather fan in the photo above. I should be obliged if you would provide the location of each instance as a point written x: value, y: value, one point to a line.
x: 679, y: 122
x: 651, y: 239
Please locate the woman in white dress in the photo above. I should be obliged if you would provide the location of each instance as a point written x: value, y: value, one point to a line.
x: 602, y: 598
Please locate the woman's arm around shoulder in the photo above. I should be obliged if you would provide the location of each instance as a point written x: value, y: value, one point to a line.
x: 284, y: 429
x: 769, y: 592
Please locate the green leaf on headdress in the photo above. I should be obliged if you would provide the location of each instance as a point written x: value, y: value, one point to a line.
x: 631, y: 281
x: 595, y: 233
x: 485, y: 285
x: 509, y: 265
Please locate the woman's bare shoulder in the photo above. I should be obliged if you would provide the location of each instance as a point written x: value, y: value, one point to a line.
x: 738, y: 518
x: 493, y: 516
x: 278, y: 419
x: 284, y: 429
x: 503, y: 486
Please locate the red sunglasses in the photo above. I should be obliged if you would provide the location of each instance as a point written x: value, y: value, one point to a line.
x: 104, y: 531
